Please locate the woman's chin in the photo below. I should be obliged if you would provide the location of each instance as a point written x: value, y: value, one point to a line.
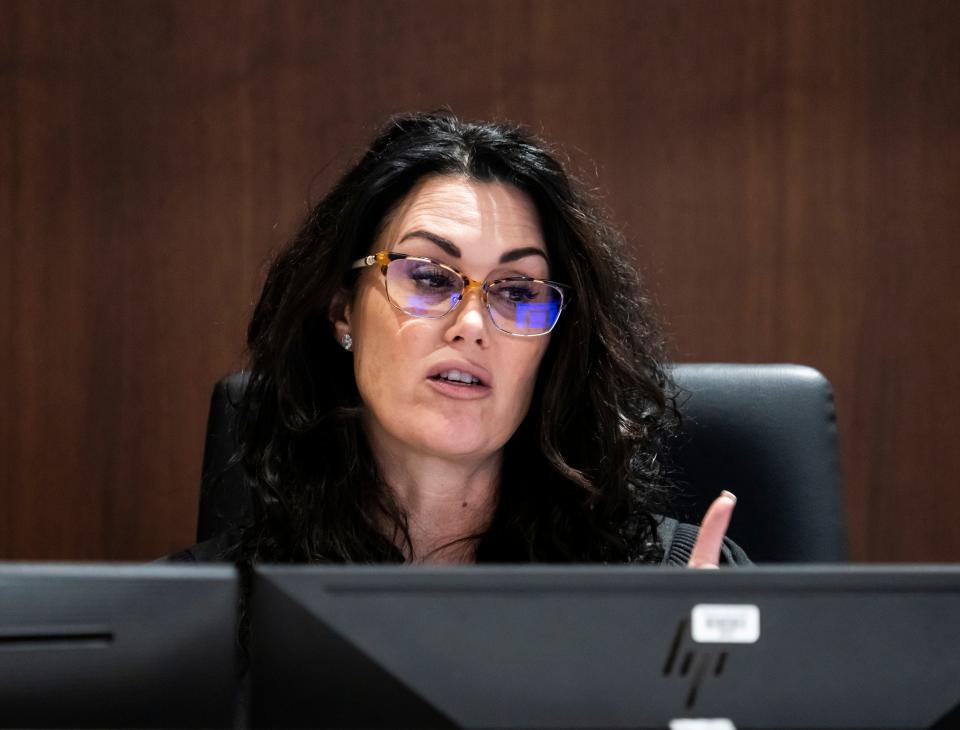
x: 457, y: 444
x: 459, y: 449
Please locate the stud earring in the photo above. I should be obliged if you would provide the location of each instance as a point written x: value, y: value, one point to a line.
x: 347, y: 342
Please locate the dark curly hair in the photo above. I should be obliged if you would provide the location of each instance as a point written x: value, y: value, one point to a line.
x: 582, y: 477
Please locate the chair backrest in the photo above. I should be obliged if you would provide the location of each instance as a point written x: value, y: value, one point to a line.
x: 224, y: 488
x: 765, y: 432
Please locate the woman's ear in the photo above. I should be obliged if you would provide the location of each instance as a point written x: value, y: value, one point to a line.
x: 339, y: 314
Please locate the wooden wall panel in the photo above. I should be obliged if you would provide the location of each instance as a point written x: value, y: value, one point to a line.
x: 787, y: 171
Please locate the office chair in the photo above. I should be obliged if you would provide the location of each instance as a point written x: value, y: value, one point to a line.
x: 766, y: 432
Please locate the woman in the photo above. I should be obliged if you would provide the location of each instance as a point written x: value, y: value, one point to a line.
x: 453, y: 362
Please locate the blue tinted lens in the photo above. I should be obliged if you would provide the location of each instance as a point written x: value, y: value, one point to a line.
x: 524, y: 307
x: 536, y: 315
x: 423, y: 288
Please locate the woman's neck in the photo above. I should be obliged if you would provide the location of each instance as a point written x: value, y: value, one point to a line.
x: 445, y: 501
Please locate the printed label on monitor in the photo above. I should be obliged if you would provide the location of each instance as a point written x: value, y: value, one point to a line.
x: 720, y: 623
x: 701, y: 724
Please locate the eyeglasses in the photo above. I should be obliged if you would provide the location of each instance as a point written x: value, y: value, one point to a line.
x: 422, y: 287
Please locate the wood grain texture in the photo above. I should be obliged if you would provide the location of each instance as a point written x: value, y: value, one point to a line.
x: 788, y: 173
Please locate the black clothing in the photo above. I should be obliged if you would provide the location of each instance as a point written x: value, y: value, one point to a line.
x: 218, y: 549
x: 677, y: 538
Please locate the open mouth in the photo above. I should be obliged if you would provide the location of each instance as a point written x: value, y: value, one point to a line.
x: 455, y: 377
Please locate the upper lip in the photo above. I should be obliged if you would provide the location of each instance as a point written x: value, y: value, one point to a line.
x: 464, y: 367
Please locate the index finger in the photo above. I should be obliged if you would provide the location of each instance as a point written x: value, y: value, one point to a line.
x: 706, y: 551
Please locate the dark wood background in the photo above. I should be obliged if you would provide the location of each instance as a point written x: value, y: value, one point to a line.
x: 789, y: 173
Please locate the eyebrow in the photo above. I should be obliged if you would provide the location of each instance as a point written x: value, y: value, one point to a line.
x: 452, y: 249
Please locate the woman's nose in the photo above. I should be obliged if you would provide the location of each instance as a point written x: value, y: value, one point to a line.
x: 470, y: 322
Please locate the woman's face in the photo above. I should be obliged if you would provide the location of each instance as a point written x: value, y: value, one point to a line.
x: 484, y: 230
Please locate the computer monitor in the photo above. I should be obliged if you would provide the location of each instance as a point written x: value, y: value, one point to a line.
x: 585, y: 647
x: 86, y: 646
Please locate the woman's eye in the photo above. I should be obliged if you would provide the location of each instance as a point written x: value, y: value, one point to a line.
x: 518, y: 293
x: 431, y: 278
